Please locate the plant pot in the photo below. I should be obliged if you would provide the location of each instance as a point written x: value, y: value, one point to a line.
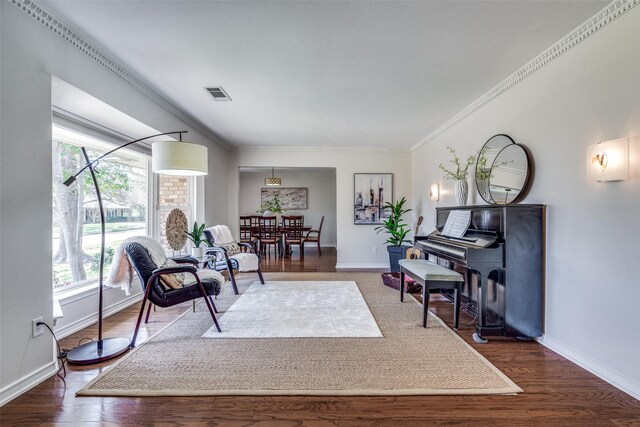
x: 396, y: 253
x: 462, y: 189
x: 197, y: 252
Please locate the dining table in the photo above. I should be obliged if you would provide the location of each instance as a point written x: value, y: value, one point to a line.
x: 282, y: 230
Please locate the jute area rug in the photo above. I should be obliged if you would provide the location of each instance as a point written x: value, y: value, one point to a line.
x: 407, y: 360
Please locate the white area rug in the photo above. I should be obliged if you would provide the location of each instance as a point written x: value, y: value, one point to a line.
x: 293, y: 309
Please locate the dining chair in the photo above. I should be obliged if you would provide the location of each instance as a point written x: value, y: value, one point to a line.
x: 292, y: 226
x: 255, y: 226
x: 269, y: 234
x: 316, y: 236
x: 246, y: 234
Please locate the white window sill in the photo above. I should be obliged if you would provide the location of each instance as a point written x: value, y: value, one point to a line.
x: 77, y: 293
x: 84, y: 291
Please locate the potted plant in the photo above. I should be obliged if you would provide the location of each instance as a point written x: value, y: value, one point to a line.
x: 397, y: 232
x: 459, y: 175
x: 271, y: 207
x: 196, y: 235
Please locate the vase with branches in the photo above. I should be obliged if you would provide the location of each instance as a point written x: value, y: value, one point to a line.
x: 459, y: 174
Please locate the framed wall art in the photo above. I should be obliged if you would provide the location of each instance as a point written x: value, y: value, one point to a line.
x: 291, y: 198
x: 370, y: 193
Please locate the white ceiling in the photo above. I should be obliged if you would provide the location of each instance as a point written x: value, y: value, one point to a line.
x: 323, y: 74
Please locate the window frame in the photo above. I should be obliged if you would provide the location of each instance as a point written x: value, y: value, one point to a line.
x: 113, y: 141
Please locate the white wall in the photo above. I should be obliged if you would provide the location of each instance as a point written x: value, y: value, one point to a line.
x: 355, y: 243
x: 321, y: 198
x: 30, y: 55
x: 589, y: 94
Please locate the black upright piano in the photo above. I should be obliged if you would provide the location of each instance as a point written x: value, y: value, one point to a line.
x: 501, y: 259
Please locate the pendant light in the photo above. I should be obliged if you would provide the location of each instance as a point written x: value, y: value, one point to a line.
x: 273, y: 181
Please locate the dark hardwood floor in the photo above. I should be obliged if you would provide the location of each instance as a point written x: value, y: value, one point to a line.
x: 556, y: 392
x: 309, y: 263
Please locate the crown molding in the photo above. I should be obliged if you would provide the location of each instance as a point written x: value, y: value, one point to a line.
x: 325, y: 149
x: 594, y: 24
x: 49, y: 21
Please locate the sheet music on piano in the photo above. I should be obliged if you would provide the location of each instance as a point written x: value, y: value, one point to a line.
x: 457, y: 224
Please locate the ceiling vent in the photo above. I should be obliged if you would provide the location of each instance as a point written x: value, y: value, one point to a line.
x: 218, y: 93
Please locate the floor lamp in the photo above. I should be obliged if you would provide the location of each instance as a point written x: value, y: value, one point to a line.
x: 169, y: 158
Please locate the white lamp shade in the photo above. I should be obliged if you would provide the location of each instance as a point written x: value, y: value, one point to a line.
x: 179, y: 158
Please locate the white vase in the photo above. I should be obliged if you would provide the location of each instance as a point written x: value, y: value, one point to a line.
x: 462, y: 189
x: 197, y: 252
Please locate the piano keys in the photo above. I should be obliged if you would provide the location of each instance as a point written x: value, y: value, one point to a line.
x: 501, y: 258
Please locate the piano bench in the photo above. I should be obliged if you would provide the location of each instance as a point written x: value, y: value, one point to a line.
x: 431, y: 276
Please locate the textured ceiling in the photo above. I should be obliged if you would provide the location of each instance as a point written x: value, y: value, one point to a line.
x: 323, y: 74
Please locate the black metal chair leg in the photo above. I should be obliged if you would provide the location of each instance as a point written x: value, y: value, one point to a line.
x: 215, y: 310
x: 146, y: 320
x: 232, y: 278
x: 144, y: 301
x: 208, y: 302
x: 401, y: 286
x: 260, y: 276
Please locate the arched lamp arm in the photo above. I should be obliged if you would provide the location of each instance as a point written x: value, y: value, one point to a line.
x: 72, y: 178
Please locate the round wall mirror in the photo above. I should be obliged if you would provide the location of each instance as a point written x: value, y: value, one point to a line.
x: 502, y: 170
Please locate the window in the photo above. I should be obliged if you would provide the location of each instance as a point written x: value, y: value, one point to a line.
x: 123, y: 179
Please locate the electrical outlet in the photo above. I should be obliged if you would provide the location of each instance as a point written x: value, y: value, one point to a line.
x: 375, y: 249
x: 36, y: 329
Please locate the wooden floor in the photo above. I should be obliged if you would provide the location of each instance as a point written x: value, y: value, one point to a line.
x: 556, y: 392
x: 309, y: 263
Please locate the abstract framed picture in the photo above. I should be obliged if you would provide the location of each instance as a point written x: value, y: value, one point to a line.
x: 370, y: 193
x: 291, y: 198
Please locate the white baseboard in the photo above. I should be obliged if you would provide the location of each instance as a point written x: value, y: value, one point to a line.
x: 27, y: 382
x: 89, y: 320
x: 345, y: 266
x: 31, y: 380
x: 617, y: 380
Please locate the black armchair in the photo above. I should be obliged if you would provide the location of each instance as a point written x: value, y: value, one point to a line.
x: 149, y: 274
x: 226, y: 261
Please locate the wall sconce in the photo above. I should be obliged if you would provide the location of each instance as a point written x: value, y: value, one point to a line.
x: 434, y: 192
x: 609, y: 160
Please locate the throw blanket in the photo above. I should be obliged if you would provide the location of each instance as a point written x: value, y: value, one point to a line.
x: 246, y: 261
x: 222, y: 237
x: 121, y: 273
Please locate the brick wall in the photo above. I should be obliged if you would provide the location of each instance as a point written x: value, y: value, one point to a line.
x: 173, y: 192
